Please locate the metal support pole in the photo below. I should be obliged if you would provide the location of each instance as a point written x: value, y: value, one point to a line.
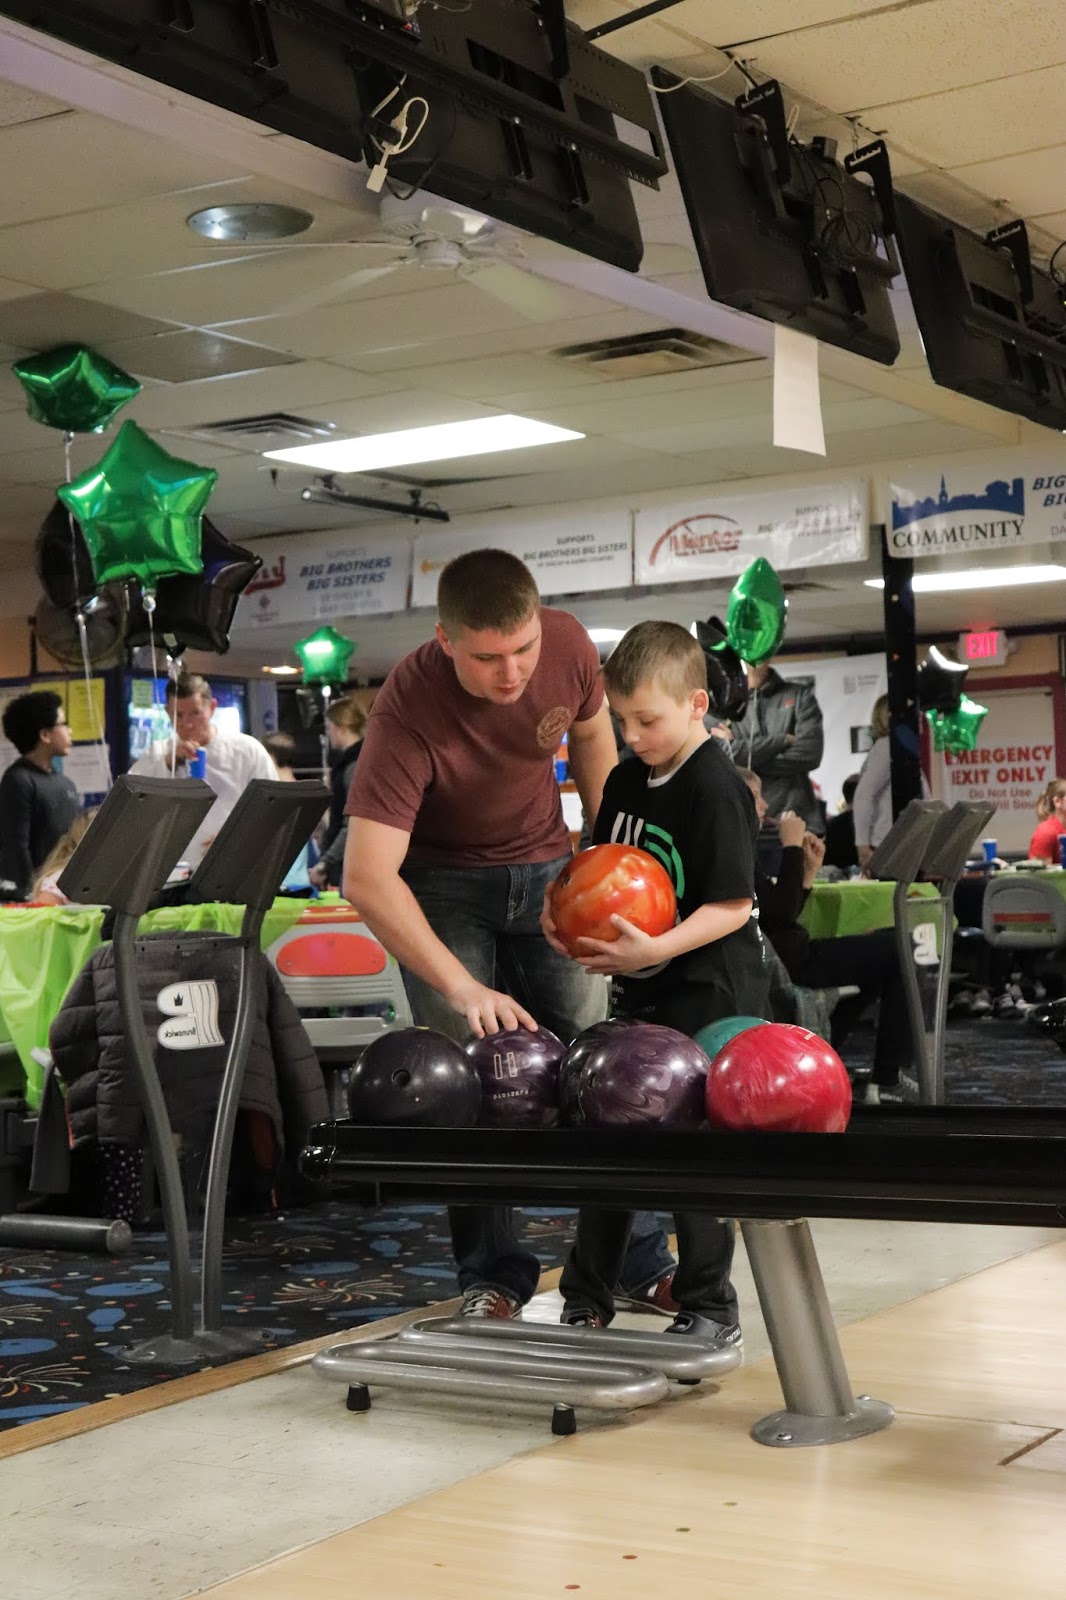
x: 902, y: 666
x: 180, y: 1346
x: 222, y: 1146
x: 820, y: 1407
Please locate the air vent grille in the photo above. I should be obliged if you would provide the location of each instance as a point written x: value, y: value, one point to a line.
x: 270, y: 430
x: 644, y: 355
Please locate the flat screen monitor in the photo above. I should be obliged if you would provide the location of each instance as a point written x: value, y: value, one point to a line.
x: 981, y: 336
x: 808, y: 249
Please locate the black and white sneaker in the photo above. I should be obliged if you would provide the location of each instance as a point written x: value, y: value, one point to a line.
x: 689, y: 1325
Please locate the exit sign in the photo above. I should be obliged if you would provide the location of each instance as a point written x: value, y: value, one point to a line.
x: 987, y: 648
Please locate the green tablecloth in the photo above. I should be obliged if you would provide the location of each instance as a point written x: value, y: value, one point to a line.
x: 42, y: 949
x: 855, y: 905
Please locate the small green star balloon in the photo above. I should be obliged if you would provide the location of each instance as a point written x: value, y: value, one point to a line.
x: 74, y: 389
x: 324, y: 655
x: 139, y: 510
x: 755, y: 620
x: 957, y: 730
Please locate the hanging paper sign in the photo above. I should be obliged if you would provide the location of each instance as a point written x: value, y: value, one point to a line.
x: 313, y: 576
x: 978, y: 509
x: 717, y: 535
x: 571, y: 554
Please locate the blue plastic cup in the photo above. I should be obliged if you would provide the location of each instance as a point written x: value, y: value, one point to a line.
x: 196, y: 766
x: 1062, y: 849
x: 991, y: 849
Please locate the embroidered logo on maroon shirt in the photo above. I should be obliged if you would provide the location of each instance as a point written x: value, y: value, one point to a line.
x: 551, y: 727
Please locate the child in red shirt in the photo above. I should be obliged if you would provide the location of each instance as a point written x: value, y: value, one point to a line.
x: 1051, y: 809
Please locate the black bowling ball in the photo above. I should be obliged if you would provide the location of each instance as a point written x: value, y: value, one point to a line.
x: 414, y: 1078
x: 1049, y: 1018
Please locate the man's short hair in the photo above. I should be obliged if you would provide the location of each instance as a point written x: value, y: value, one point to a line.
x: 848, y: 788
x: 28, y: 716
x: 186, y: 685
x: 280, y: 747
x: 750, y: 777
x: 486, y: 589
x: 656, y: 652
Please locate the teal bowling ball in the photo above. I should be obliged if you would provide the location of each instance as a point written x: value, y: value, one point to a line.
x: 716, y: 1035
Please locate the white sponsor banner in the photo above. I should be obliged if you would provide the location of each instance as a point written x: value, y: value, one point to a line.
x: 846, y: 688
x: 313, y: 577
x: 718, y: 535
x: 978, y: 508
x: 568, y: 555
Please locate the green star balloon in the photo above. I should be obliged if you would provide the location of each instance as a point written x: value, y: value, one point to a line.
x: 74, y: 389
x: 755, y: 620
x: 957, y: 730
x: 139, y: 510
x: 324, y: 655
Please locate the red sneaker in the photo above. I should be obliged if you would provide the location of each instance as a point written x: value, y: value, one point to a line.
x: 656, y: 1298
x: 491, y: 1304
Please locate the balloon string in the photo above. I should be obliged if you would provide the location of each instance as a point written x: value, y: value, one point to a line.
x: 326, y: 693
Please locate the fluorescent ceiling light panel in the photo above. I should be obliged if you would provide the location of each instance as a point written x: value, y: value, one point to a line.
x: 978, y: 578
x: 481, y: 436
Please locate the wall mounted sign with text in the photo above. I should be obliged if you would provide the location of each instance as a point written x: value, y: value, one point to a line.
x: 1000, y: 503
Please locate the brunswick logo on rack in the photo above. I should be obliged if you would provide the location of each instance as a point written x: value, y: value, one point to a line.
x: 940, y: 523
x: 707, y: 533
x: 191, y: 1010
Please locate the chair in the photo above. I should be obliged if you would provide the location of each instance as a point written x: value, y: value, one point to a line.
x: 330, y: 959
x: 1022, y: 911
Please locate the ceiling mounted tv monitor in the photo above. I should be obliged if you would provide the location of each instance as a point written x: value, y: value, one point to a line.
x: 783, y: 230
x: 993, y: 325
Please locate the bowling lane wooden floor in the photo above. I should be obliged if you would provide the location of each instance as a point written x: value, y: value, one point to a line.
x: 963, y: 1498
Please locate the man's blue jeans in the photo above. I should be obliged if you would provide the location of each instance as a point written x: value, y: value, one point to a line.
x: 489, y: 918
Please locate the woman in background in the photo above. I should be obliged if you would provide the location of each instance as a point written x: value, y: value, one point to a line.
x: 345, y: 725
x: 44, y: 891
x: 1051, y: 810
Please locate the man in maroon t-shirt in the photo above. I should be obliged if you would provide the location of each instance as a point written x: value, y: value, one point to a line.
x: 457, y: 830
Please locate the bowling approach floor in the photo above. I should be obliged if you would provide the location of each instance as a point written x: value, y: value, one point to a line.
x: 959, y: 1327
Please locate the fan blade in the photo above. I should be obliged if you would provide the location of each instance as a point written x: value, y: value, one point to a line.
x: 56, y: 628
x: 522, y: 291
x: 330, y: 293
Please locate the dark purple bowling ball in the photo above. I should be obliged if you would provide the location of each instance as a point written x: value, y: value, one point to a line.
x: 414, y: 1078
x: 519, y: 1073
x: 644, y: 1075
x: 573, y: 1065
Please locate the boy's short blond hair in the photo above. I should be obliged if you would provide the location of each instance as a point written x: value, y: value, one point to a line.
x: 656, y: 652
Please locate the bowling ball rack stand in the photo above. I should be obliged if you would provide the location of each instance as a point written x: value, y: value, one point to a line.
x: 932, y: 842
x: 123, y: 861
x: 934, y: 1164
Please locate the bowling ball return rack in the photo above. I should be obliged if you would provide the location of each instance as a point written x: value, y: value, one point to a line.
x: 930, y: 1163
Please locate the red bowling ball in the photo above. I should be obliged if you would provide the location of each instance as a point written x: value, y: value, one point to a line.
x: 778, y: 1079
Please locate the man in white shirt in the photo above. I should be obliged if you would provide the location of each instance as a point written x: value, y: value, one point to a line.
x: 232, y: 759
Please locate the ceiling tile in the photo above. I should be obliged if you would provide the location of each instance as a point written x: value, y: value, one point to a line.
x: 1030, y: 184
x: 981, y: 122
x: 77, y: 161
x: 42, y: 321
x: 307, y: 388
x: 22, y: 105
x: 899, y: 52
x: 192, y: 354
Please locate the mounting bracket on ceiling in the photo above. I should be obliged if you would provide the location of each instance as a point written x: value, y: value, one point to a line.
x: 324, y: 491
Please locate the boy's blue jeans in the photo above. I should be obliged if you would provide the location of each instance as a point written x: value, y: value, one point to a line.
x: 489, y: 918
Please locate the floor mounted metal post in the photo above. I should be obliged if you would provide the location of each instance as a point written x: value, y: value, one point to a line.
x: 820, y: 1407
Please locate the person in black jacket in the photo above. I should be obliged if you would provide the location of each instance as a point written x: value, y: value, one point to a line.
x: 840, y: 848
x: 345, y: 725
x: 37, y: 803
x: 868, y: 961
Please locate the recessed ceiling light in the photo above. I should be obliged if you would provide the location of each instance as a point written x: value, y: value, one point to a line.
x: 479, y: 437
x: 253, y: 223
x: 978, y: 578
x: 282, y: 672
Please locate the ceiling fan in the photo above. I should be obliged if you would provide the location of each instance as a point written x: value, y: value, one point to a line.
x: 421, y: 233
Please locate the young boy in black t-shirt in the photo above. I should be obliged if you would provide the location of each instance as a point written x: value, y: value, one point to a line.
x: 681, y: 801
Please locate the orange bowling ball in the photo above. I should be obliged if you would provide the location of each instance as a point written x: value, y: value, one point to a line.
x: 606, y: 881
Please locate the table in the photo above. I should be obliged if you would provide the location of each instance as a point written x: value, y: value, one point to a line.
x: 43, y: 948
x: 854, y: 905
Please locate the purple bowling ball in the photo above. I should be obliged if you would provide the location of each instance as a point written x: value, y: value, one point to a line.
x: 573, y: 1065
x: 519, y: 1072
x: 643, y: 1075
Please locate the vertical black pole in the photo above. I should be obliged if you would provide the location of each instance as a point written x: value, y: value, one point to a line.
x: 902, y: 662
